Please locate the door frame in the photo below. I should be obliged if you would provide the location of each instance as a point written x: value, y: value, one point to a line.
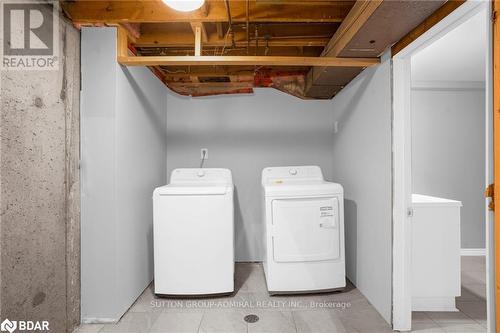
x: 401, y: 160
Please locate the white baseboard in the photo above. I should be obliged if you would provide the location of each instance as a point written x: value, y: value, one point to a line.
x: 472, y: 252
x: 99, y: 320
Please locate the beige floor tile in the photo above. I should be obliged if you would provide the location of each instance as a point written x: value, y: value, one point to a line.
x: 223, y: 322
x: 272, y: 322
x: 88, y: 328
x: 474, y: 310
x: 318, y: 321
x: 478, y: 290
x: 463, y: 328
x: 364, y: 319
x: 473, y: 263
x: 468, y: 294
x: 146, y: 302
x: 450, y: 317
x: 420, y: 316
x: 174, y: 322
x: 132, y: 322
x: 473, y: 277
x: 425, y: 326
x: 250, y: 278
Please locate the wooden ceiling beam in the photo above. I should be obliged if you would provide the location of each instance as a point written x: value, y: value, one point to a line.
x: 154, y: 11
x: 245, y: 61
x: 197, y: 40
x: 234, y: 73
x: 179, y: 39
x: 357, y: 17
x: 201, y: 26
x: 354, y: 21
x: 291, y: 51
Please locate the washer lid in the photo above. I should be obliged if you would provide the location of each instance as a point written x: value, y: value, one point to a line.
x: 201, y: 176
x: 194, y: 189
x: 196, y: 181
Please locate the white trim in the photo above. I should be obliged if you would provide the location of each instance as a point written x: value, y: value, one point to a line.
x: 472, y: 252
x: 447, y: 24
x: 490, y: 217
x: 401, y: 152
x: 448, y: 85
x: 99, y: 320
x: 401, y: 164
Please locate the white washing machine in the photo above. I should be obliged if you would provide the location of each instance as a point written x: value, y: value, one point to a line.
x: 304, y: 230
x: 194, y: 233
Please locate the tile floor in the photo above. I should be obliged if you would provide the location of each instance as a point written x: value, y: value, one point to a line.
x: 342, y: 312
x: 472, y: 304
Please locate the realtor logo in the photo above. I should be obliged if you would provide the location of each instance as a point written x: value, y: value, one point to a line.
x: 30, y: 35
x: 8, y: 326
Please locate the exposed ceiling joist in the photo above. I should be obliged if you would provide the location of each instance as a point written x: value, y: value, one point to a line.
x: 118, y: 11
x: 292, y: 51
x: 197, y: 40
x: 357, y: 17
x: 180, y: 39
x: 246, y: 61
x: 197, y: 60
x: 310, y: 49
x: 198, y: 25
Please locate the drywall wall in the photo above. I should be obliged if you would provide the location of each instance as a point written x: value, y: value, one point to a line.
x: 123, y: 160
x: 40, y: 189
x: 247, y: 133
x: 448, y: 151
x: 457, y: 56
x: 448, y: 123
x: 362, y: 164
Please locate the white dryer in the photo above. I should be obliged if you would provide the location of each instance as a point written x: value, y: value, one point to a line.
x: 194, y: 233
x: 304, y: 230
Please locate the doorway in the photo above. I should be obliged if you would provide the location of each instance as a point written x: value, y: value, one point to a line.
x: 427, y: 110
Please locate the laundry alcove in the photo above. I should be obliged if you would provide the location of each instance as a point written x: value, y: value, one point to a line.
x: 135, y: 132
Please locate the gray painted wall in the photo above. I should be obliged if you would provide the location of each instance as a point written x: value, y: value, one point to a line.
x: 40, y: 190
x: 123, y: 160
x: 269, y: 128
x: 448, y: 152
x: 362, y: 164
x: 247, y: 133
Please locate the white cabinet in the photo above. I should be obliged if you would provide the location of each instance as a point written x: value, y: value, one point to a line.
x: 435, y: 253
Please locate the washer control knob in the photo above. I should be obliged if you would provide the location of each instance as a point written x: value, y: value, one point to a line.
x: 293, y: 172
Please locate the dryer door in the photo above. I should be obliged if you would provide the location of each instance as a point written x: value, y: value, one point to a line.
x: 306, y: 229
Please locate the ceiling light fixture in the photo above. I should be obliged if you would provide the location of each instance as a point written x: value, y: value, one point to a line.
x: 184, y: 5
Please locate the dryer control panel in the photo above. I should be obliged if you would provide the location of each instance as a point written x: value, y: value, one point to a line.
x: 274, y: 175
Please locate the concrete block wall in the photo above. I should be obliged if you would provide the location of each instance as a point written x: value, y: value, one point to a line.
x: 39, y: 191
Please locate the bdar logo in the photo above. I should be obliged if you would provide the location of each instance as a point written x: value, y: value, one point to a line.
x: 8, y: 325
